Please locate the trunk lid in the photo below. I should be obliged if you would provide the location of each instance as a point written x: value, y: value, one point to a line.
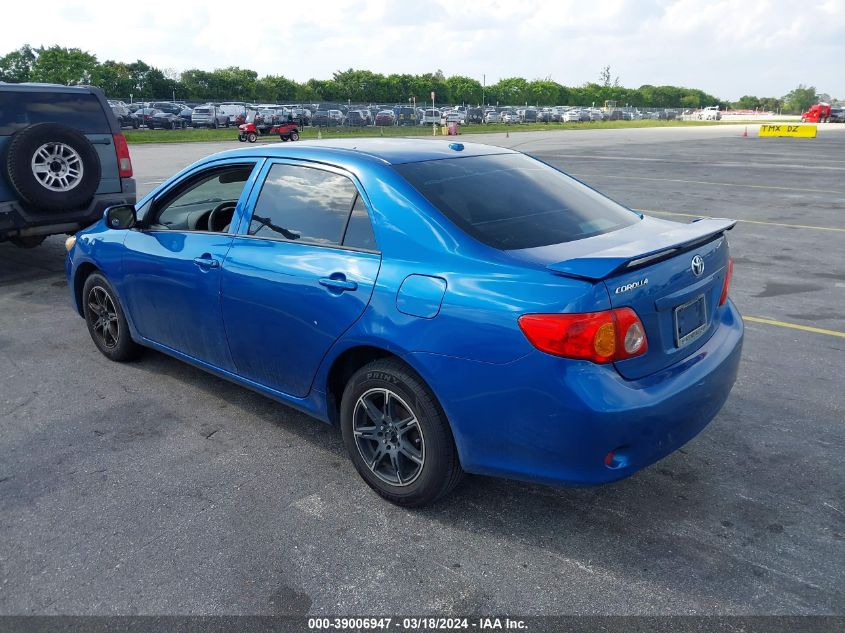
x: 649, y: 268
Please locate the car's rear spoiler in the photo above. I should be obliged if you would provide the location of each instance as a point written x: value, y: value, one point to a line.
x: 604, y: 263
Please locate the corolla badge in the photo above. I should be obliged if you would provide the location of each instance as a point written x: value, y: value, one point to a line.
x: 631, y: 286
x: 697, y: 265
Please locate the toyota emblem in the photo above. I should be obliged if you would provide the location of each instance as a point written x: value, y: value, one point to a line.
x: 697, y: 265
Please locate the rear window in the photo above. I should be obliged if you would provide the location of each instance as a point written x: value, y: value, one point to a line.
x: 78, y: 110
x: 512, y: 201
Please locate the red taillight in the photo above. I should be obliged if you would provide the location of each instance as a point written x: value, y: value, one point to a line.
x: 727, y: 285
x: 124, y: 163
x: 601, y: 337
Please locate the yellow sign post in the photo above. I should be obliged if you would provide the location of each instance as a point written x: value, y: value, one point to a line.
x: 794, y: 131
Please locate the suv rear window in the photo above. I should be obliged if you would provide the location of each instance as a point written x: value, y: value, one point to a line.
x: 512, y: 201
x: 78, y: 110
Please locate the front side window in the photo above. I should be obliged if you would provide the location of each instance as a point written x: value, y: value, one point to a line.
x: 512, y: 201
x: 205, y: 202
x: 303, y: 204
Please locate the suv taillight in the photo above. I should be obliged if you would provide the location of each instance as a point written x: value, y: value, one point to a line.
x: 124, y: 163
x: 601, y: 337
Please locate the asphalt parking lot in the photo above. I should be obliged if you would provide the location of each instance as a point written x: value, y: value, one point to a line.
x: 153, y: 488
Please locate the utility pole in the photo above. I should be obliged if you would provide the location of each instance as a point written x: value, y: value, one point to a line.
x: 483, y: 88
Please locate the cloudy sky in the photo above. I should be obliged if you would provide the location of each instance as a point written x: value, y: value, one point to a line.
x: 726, y: 47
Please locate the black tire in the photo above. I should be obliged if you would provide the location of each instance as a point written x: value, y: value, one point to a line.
x: 80, y: 153
x: 294, y: 136
x: 112, y: 338
x: 429, y: 435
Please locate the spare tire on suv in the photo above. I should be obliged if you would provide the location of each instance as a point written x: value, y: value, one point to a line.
x: 53, y: 167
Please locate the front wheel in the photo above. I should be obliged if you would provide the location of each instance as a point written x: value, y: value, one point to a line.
x: 294, y: 136
x: 397, y: 436
x: 251, y: 137
x: 105, y: 319
x: 242, y: 138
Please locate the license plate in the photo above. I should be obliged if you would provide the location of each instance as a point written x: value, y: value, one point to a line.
x: 690, y: 321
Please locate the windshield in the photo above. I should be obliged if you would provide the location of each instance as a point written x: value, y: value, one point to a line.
x: 512, y: 201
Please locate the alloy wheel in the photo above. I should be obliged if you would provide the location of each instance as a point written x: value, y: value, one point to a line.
x: 57, y: 166
x: 388, y: 437
x: 103, y: 317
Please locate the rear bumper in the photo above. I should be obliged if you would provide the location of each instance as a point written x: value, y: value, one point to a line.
x: 551, y: 420
x: 15, y: 220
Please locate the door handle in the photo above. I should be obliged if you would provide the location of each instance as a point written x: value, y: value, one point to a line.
x: 206, y: 261
x: 339, y: 283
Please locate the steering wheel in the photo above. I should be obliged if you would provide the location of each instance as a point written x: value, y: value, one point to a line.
x: 217, y: 219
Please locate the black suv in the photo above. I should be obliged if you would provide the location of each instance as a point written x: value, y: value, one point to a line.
x: 64, y: 160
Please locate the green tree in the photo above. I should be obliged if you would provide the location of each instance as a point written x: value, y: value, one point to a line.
x: 747, y: 102
x: 511, y: 91
x: 276, y: 89
x: 16, y: 67
x: 465, y: 90
x: 59, y: 65
x: 113, y: 78
x: 544, y: 92
x: 800, y: 99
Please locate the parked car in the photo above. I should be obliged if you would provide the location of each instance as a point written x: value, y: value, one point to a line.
x: 837, y: 114
x: 509, y: 116
x: 430, y: 116
x: 585, y: 374
x: 529, y: 115
x: 356, y: 118
x: 385, y: 117
x: 166, y: 121
x: 145, y: 115
x: 209, y: 116
x: 338, y: 117
x: 167, y: 106
x: 185, y: 115
x: 573, y: 116
x: 124, y: 117
x: 64, y: 161
x: 475, y: 115
x: 406, y: 116
x: 492, y: 117
x: 453, y: 116
x: 234, y: 111
x: 322, y: 119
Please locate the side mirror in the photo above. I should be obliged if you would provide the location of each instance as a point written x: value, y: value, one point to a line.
x: 121, y: 216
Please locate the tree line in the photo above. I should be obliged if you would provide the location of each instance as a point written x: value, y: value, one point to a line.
x: 141, y: 81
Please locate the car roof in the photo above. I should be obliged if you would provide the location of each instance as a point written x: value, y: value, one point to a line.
x: 385, y: 151
x: 40, y: 87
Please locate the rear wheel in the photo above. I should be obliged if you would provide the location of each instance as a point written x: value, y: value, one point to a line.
x: 251, y: 137
x: 397, y: 436
x: 106, y: 321
x: 242, y: 138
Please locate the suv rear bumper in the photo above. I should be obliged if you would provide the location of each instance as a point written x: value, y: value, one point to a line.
x: 15, y: 220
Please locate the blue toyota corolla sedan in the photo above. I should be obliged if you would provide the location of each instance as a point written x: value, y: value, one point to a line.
x: 452, y: 307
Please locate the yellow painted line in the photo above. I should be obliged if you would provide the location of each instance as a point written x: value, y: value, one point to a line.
x: 791, y: 226
x: 793, y: 326
x: 707, y: 182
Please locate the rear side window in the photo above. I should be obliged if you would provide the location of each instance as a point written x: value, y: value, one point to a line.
x: 512, y: 201
x: 359, y: 231
x: 78, y: 110
x: 303, y: 204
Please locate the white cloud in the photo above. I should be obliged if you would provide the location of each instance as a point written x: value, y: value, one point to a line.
x: 726, y: 47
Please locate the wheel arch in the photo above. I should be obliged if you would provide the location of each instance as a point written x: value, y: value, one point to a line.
x: 83, y: 271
